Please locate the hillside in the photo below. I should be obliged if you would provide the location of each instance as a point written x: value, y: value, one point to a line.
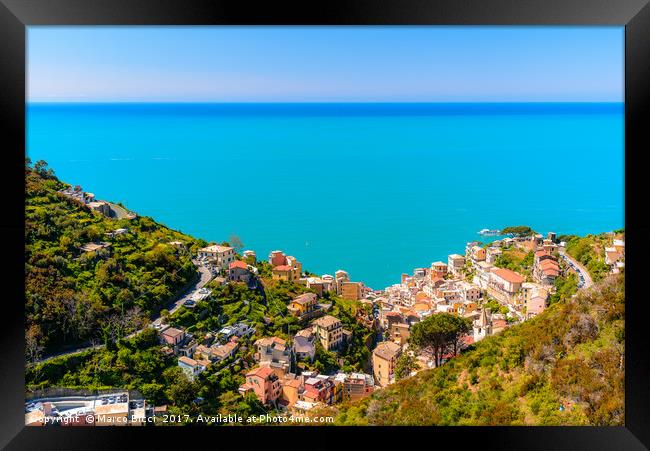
x: 73, y: 295
x: 564, y: 367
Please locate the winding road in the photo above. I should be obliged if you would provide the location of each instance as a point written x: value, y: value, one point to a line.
x: 205, y: 276
x: 579, y: 268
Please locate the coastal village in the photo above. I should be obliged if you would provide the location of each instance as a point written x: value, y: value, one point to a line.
x: 281, y: 375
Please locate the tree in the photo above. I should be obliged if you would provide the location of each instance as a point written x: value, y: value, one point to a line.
x: 236, y: 243
x: 405, y: 365
x: 438, y: 333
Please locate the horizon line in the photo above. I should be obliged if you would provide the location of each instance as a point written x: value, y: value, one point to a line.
x: 213, y: 102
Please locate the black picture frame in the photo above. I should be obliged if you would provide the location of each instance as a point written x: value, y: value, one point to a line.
x: 15, y: 15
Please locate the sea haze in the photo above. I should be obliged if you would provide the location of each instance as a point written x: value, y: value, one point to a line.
x: 375, y: 189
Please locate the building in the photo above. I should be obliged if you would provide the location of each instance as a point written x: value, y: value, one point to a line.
x: 545, y: 267
x: 439, y: 268
x: 223, y: 352
x: 455, y: 264
x: 101, y: 206
x: 249, y: 255
x: 504, y: 284
x: 303, y: 348
x: 239, y: 271
x: 304, y: 306
x: 492, y: 253
x: 351, y: 291
x: 274, y: 353
x: 290, y: 393
x: 477, y: 254
x: 266, y: 385
x: 192, y: 367
x: 219, y: 256
x: 483, y: 325
x: 398, y: 332
x: 101, y: 248
x: 172, y: 336
x: 355, y: 385
x: 383, y: 362
x: 329, y: 331
x: 535, y: 305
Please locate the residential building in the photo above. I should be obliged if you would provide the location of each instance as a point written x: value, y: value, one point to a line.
x: 356, y: 385
x: 383, y: 362
x: 329, y: 331
x: 172, y: 336
x: 455, y: 264
x: 504, y: 284
x: 535, y: 305
x: 351, y: 290
x: 304, y: 306
x: 303, y: 348
x: 439, y: 268
x: 192, y: 367
x: 266, y: 385
x: 239, y: 271
x: 222, y: 352
x: 545, y: 267
x: 219, y: 256
x: 492, y: 253
x: 477, y: 254
x: 274, y: 352
x: 249, y: 255
x: 100, y: 248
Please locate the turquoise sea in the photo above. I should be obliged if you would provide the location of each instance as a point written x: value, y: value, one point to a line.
x: 375, y: 189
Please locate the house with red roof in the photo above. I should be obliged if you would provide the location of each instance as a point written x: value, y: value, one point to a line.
x: 262, y: 381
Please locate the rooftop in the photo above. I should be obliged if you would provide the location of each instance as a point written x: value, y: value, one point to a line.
x: 216, y: 248
x: 238, y: 264
x: 326, y: 321
x: 387, y: 350
x: 508, y: 275
x: 282, y: 268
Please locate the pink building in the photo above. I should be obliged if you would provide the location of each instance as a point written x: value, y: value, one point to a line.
x: 264, y: 383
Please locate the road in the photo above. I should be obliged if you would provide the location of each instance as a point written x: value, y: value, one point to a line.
x: 205, y: 276
x: 580, y: 268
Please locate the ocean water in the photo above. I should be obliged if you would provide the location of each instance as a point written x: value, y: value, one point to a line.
x: 375, y: 189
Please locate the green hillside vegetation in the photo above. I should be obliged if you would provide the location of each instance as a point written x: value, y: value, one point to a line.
x: 590, y: 251
x: 74, y: 296
x: 517, y: 231
x: 516, y: 260
x: 138, y: 364
x: 564, y: 367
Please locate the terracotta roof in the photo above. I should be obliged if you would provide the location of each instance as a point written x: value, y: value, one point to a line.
x: 326, y: 321
x: 387, y: 350
x: 238, y: 264
x: 268, y: 341
x: 508, y: 275
x: 260, y: 371
x: 187, y: 361
x: 172, y: 332
x: 283, y: 268
x: 294, y: 383
x: 305, y: 298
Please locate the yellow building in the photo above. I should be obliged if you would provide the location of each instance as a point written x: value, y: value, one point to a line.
x: 383, y: 362
x: 303, y: 305
x: 329, y: 331
x: 285, y: 272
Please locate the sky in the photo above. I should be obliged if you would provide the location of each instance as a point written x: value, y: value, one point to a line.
x: 325, y: 64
